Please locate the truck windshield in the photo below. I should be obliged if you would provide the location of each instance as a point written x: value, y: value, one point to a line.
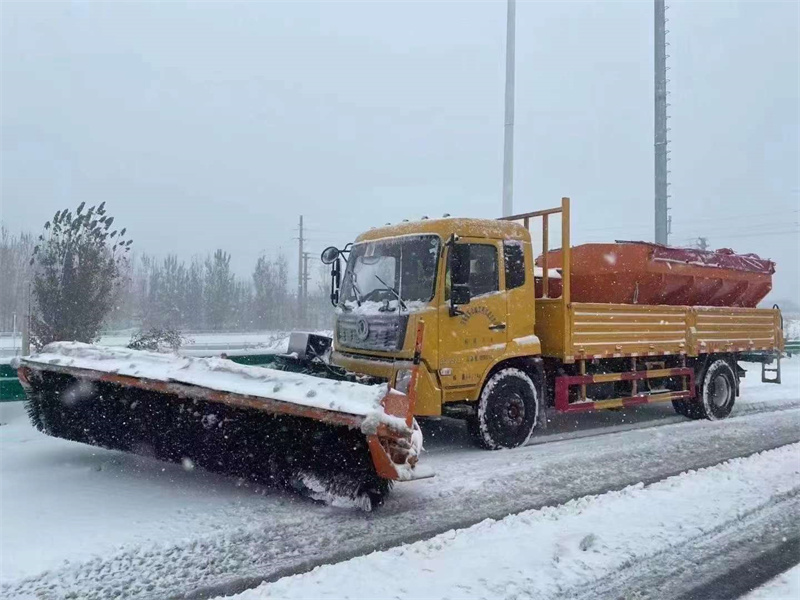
x: 406, y: 264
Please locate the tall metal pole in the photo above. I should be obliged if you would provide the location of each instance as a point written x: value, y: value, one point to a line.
x: 660, y: 139
x: 508, y: 145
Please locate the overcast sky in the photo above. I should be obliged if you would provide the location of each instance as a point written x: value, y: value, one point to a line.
x: 216, y: 124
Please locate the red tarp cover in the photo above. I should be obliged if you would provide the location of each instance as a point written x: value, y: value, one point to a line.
x: 724, y: 258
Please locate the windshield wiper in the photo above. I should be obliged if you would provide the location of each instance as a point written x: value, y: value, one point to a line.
x: 394, y: 292
x: 354, y: 285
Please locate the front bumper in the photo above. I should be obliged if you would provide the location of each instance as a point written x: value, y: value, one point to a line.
x: 429, y: 392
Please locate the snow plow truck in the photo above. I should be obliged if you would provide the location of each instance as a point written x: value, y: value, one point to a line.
x: 438, y: 317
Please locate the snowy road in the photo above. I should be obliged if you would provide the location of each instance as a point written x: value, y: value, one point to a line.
x: 640, y: 542
x: 136, y: 528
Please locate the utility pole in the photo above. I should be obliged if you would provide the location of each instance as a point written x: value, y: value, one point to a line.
x: 508, y: 142
x: 661, y: 141
x: 300, y: 277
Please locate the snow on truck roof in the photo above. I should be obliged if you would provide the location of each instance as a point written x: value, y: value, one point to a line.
x: 217, y: 374
x: 445, y: 227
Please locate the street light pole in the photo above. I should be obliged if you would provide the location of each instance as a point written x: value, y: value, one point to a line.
x: 508, y: 145
x: 661, y: 129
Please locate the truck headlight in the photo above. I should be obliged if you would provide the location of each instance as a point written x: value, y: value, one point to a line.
x: 402, y: 380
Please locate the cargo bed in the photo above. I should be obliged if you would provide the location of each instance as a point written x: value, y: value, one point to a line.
x: 582, y: 330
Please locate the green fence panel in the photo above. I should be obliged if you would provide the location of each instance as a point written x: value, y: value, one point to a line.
x: 10, y: 387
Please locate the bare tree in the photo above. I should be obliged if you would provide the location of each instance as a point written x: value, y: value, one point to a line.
x: 220, y: 289
x: 15, y: 277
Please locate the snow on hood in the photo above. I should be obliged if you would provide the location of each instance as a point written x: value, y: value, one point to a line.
x: 220, y: 374
x: 373, y: 307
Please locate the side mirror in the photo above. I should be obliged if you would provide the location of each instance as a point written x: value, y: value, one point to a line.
x: 459, y: 258
x: 329, y: 255
x: 336, y: 280
x: 459, y: 294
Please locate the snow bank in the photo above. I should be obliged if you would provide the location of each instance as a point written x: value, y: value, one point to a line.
x: 219, y: 374
x: 552, y: 551
x: 785, y: 586
x: 792, y: 329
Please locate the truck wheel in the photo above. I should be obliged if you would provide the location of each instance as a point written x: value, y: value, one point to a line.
x: 688, y: 408
x: 507, y: 411
x: 718, y: 391
x: 680, y: 407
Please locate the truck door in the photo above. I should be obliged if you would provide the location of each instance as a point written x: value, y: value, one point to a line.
x: 470, y: 342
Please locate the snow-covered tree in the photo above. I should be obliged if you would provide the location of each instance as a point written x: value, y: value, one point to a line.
x: 77, y: 271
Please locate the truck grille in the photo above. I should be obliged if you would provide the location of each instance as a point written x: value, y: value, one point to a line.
x: 384, y: 332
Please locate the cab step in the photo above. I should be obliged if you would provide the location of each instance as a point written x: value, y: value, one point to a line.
x: 776, y: 371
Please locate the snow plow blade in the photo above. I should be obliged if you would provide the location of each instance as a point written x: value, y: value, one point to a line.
x: 339, y: 442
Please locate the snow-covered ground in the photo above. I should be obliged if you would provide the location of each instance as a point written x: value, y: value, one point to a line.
x: 101, y: 524
x: 785, y: 586
x: 198, y: 344
x: 557, y: 551
x: 791, y: 327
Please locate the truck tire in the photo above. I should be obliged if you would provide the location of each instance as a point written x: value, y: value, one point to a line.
x: 718, y: 391
x: 507, y: 411
x: 688, y: 408
x: 680, y: 407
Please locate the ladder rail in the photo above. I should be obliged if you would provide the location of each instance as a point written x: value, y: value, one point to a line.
x: 777, y: 370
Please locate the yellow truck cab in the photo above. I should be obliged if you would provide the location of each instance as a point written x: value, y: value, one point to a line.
x: 473, y: 284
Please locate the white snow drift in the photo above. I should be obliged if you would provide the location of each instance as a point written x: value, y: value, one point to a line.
x: 785, y: 586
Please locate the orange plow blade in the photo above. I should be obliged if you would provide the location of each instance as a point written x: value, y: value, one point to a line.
x: 337, y: 441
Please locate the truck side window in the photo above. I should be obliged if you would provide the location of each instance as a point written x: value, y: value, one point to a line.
x: 515, y: 264
x: 483, y: 272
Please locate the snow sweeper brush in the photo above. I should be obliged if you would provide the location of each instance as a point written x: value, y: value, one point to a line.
x: 337, y: 441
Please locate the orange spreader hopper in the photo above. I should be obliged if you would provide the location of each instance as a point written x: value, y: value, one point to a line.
x: 645, y: 273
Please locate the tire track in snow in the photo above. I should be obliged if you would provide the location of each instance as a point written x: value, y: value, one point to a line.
x: 450, y: 437
x: 713, y: 564
x: 559, y: 552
